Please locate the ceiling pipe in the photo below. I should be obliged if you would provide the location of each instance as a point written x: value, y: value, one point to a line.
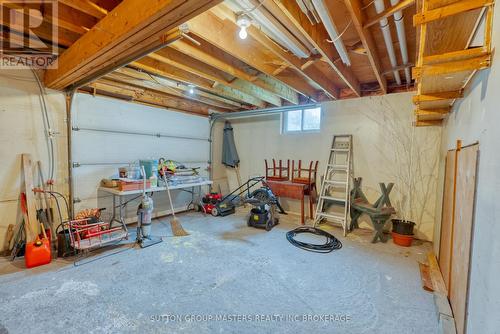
x: 400, y: 29
x: 330, y: 27
x: 386, y: 31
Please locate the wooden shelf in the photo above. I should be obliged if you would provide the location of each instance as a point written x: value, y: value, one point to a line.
x: 446, y: 62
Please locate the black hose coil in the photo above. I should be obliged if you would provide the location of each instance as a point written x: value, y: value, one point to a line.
x: 331, y: 244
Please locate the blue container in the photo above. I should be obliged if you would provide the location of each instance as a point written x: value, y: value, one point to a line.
x: 149, y: 166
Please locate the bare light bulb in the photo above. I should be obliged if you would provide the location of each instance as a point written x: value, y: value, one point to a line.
x: 243, y: 33
x: 191, y: 90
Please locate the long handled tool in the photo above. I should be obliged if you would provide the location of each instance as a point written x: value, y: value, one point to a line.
x: 175, y: 223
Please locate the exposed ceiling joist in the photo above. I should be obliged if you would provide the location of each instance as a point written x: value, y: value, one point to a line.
x: 86, y: 6
x: 214, y: 57
x: 184, y: 62
x: 223, y: 34
x: 167, y: 89
x: 319, y: 37
x: 358, y: 17
x: 143, y: 76
x: 388, y: 12
x: 128, y: 32
x: 151, y: 97
x: 154, y: 66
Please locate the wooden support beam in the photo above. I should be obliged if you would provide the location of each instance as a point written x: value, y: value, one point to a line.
x: 44, y: 31
x: 148, y: 96
x: 130, y: 31
x: 223, y: 34
x: 214, y: 57
x: 188, y: 64
x: 318, y: 37
x: 133, y: 74
x: 154, y: 66
x: 437, y: 122
x: 449, y: 10
x: 431, y: 97
x: 355, y: 9
x: 388, y: 12
x: 455, y: 55
x: 86, y: 6
x: 165, y: 89
x: 432, y: 112
x: 472, y: 64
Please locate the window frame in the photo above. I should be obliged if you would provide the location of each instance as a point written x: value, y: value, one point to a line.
x: 284, y: 121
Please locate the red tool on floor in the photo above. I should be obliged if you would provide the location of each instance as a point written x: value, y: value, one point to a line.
x: 37, y: 252
x: 210, y: 201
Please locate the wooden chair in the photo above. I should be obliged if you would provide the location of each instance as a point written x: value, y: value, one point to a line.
x: 379, y: 212
x: 278, y: 172
x: 307, y: 176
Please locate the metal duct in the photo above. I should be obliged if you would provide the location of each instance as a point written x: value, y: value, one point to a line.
x: 400, y: 28
x: 386, y: 31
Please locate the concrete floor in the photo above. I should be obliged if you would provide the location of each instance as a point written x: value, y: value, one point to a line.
x: 227, y: 269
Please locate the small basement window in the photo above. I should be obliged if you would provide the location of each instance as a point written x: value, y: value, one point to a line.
x: 302, y: 120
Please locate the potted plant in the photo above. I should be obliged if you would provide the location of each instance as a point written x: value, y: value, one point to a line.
x: 402, y: 232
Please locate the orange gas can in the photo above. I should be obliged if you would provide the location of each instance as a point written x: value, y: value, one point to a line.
x: 37, y: 253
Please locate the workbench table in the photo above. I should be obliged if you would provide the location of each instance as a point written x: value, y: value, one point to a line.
x: 290, y: 190
x: 119, y: 195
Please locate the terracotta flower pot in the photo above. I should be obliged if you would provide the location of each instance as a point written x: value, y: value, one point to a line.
x: 401, y: 239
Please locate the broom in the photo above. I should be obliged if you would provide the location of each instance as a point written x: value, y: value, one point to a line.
x: 175, y: 223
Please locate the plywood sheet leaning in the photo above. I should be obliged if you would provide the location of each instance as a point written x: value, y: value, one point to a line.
x: 446, y: 61
x: 447, y: 216
x: 462, y: 233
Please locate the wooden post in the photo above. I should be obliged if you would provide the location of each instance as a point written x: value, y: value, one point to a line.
x: 31, y: 225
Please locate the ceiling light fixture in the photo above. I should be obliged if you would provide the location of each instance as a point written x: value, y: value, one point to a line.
x: 243, y: 21
x: 191, y: 89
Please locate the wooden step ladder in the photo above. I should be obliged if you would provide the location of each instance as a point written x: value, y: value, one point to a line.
x: 334, y: 197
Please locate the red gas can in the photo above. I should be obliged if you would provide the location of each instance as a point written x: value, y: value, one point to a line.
x: 37, y: 253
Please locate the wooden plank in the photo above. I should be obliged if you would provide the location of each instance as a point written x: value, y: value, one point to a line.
x: 357, y: 15
x: 462, y: 234
x: 172, y: 90
x: 455, y: 55
x: 214, y: 57
x: 188, y: 64
x: 146, y: 95
x: 388, y: 12
x: 446, y: 217
x: 472, y: 64
x: 432, y: 112
x: 128, y: 32
x: 87, y: 7
x: 146, y: 77
x: 419, y: 123
x: 425, y: 277
x: 318, y: 37
x: 439, y: 96
x: 32, y: 226
x: 449, y: 10
x: 435, y: 274
x: 222, y: 34
x: 154, y: 66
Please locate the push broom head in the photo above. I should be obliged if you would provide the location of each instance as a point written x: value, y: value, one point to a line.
x: 177, y: 229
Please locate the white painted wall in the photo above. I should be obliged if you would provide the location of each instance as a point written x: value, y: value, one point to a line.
x: 104, y: 148
x: 382, y: 150
x: 21, y: 131
x: 476, y: 118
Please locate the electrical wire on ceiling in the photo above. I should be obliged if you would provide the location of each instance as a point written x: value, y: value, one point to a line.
x: 342, y: 33
x: 248, y: 11
x: 368, y: 5
x: 47, y: 126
